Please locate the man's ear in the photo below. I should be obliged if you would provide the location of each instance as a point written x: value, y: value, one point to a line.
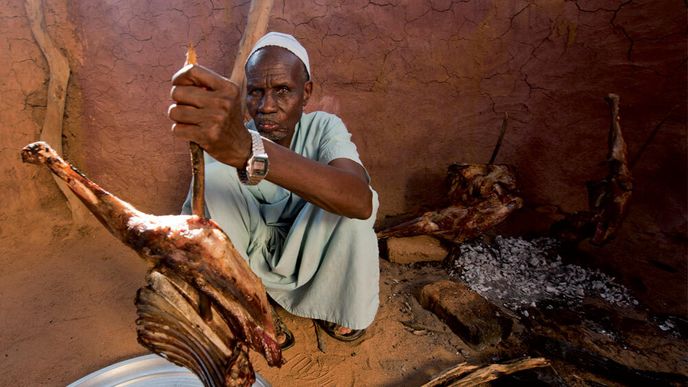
x: 307, y: 90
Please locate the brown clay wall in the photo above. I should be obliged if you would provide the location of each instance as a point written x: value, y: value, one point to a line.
x: 420, y: 84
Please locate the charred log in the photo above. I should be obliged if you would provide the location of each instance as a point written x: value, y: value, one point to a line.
x: 598, y: 364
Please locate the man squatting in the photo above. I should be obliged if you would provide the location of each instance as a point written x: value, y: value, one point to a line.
x: 291, y: 191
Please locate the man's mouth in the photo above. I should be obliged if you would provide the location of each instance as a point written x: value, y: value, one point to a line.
x: 271, y: 130
x: 267, y: 125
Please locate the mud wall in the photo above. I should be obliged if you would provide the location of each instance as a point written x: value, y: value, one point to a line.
x: 420, y: 84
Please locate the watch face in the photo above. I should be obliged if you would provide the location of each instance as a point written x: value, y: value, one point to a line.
x: 259, y: 166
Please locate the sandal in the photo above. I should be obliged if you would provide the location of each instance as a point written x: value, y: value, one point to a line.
x: 331, y: 329
x: 281, y: 329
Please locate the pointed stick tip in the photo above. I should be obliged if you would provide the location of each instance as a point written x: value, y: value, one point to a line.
x: 190, y: 55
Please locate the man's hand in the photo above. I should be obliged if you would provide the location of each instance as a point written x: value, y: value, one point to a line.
x: 208, y: 112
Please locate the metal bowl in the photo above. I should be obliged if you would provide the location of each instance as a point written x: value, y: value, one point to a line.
x: 146, y: 371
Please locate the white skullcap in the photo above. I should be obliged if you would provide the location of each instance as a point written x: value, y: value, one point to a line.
x: 285, y: 41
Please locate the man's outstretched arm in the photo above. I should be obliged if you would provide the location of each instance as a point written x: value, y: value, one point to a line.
x: 207, y: 111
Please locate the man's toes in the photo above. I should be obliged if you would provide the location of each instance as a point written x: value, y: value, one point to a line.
x: 342, y: 330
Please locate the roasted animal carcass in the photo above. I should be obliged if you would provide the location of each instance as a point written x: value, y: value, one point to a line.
x: 193, y: 258
x: 480, y: 195
x: 608, y: 199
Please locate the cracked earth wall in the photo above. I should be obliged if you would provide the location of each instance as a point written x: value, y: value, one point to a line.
x: 420, y: 84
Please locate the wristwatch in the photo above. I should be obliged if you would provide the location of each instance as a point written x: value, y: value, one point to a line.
x: 257, y: 165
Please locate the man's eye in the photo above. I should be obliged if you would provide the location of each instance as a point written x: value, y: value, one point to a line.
x: 283, y: 90
x: 255, y: 93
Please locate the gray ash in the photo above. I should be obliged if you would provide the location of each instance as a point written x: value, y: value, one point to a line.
x: 519, y: 274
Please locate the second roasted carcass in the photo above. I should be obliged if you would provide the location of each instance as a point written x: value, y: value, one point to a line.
x: 608, y: 199
x: 480, y: 195
x: 193, y: 259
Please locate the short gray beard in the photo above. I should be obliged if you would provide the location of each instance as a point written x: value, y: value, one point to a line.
x: 274, y: 137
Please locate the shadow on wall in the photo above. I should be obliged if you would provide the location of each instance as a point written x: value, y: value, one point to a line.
x: 424, y: 191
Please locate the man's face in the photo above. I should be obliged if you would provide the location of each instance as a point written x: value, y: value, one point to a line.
x: 276, y: 92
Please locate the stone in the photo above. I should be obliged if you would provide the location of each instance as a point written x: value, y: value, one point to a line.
x: 471, y: 317
x: 422, y: 248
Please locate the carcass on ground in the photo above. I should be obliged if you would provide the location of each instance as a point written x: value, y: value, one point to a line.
x: 481, y: 196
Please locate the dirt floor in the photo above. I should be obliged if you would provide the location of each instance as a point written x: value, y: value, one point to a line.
x: 67, y: 310
x: 389, y: 355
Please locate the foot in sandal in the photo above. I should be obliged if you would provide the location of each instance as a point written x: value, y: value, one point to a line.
x: 340, y: 332
x: 285, y: 338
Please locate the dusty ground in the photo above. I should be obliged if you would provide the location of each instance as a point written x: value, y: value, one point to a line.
x: 389, y: 355
x: 67, y: 310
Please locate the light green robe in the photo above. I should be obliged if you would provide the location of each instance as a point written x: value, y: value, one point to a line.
x: 314, y: 263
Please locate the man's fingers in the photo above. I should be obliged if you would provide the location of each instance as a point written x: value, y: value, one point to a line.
x: 183, y: 77
x: 190, y: 95
x: 184, y: 131
x: 184, y: 114
x: 199, y: 76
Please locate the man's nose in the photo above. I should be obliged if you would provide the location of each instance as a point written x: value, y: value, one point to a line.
x: 268, y: 104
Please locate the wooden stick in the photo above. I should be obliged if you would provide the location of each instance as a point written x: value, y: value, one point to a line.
x: 494, y: 371
x: 319, y: 337
x: 471, y: 375
x: 502, y: 131
x: 651, y: 137
x: 451, y: 374
x: 57, y: 95
x: 197, y: 163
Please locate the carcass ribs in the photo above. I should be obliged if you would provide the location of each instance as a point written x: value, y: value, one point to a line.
x: 192, y: 258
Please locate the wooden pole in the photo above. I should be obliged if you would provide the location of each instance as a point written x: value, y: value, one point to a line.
x: 256, y: 27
